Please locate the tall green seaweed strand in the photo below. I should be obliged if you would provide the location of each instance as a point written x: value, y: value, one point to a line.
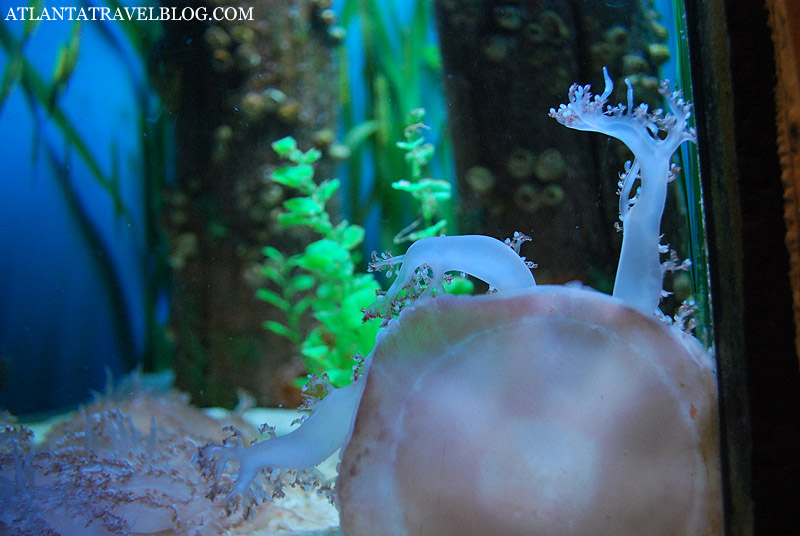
x: 431, y: 194
x: 692, y: 190
x: 401, y: 63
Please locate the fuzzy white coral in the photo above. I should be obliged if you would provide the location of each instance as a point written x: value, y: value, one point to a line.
x: 126, y: 466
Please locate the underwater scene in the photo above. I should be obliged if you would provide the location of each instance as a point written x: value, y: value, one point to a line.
x: 358, y: 267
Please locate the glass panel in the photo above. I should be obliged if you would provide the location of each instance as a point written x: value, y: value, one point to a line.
x: 173, y: 234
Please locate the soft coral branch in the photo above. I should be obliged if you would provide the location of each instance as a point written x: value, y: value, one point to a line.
x: 644, y: 132
x: 652, y: 137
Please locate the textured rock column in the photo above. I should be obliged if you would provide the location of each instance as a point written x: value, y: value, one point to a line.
x: 237, y: 86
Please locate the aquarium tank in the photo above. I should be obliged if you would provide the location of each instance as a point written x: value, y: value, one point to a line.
x: 359, y: 267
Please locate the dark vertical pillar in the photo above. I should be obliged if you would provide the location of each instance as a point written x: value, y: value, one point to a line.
x: 734, y: 76
x: 238, y: 85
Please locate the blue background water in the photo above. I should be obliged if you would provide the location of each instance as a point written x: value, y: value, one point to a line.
x: 72, y: 264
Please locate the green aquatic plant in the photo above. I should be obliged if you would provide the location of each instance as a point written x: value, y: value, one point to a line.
x: 430, y: 193
x: 322, y: 279
x: 433, y: 195
x: 688, y: 183
x: 402, y: 70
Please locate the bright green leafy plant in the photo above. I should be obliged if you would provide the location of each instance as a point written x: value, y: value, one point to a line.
x: 322, y: 278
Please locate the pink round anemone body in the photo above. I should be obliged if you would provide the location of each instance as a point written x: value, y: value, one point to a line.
x: 545, y: 411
